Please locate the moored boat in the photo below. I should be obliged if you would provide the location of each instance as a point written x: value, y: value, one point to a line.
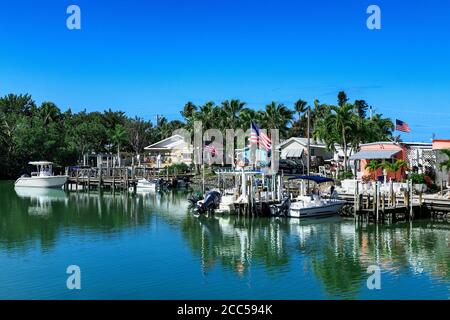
x: 308, y: 206
x: 43, y: 178
x: 148, y: 185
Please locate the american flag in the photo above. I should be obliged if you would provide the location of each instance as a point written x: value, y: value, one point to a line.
x: 210, y: 148
x: 402, y: 126
x: 257, y: 136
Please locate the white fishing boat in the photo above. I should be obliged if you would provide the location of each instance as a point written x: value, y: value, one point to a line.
x: 307, y: 206
x: 147, y: 185
x: 43, y: 178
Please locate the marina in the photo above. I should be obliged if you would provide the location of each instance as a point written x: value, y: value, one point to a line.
x: 257, y: 194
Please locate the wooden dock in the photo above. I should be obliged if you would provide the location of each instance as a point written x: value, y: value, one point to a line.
x: 122, y: 178
x: 368, y: 207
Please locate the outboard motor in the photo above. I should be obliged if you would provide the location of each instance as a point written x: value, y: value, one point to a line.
x: 194, y: 199
x: 211, y: 202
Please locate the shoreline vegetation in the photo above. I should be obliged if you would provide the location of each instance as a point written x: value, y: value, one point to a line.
x: 29, y: 132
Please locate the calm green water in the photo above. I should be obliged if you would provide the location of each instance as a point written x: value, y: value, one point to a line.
x: 149, y: 247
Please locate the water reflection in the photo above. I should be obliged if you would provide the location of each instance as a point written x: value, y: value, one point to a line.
x: 333, y: 251
x: 337, y: 251
x: 40, y: 199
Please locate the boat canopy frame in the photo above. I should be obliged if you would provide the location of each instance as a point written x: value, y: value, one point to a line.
x: 316, y: 179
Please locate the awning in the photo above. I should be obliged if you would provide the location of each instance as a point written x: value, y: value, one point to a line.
x: 317, y: 179
x: 293, y: 153
x: 374, y: 154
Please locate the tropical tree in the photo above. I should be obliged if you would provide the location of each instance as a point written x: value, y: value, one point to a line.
x: 337, y: 128
x: 299, y: 126
x: 342, y: 99
x: 361, y: 107
x: 189, y: 114
x: 301, y: 107
x: 162, y: 129
x: 49, y: 112
x: 378, y: 128
x: 207, y: 115
x: 232, y: 110
x: 138, y: 130
x: 372, y: 166
x: 118, y: 136
x: 394, y: 167
x: 276, y: 116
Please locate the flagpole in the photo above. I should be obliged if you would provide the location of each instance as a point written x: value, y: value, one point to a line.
x: 308, y: 168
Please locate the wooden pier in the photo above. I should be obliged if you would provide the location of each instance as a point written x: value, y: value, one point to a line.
x: 122, y: 178
x: 381, y: 207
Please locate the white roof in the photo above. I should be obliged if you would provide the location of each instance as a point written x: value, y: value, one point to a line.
x: 303, y: 141
x: 174, y: 142
x: 40, y: 163
x: 294, y: 153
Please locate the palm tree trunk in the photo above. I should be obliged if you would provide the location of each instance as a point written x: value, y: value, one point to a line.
x: 344, y: 148
x: 118, y: 154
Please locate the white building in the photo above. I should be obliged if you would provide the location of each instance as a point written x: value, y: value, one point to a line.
x: 297, y: 148
x: 169, y: 151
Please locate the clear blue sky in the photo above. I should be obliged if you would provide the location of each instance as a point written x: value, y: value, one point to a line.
x: 150, y: 57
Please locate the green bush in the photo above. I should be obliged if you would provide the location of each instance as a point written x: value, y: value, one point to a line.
x: 178, y: 168
x: 346, y: 175
x: 417, y: 178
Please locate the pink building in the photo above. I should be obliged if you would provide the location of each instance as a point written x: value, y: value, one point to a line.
x: 417, y: 155
x: 439, y: 144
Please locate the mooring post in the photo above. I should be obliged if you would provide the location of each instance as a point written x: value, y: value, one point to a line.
x: 377, y: 200
x: 356, y: 200
x: 203, y: 178
x: 391, y: 192
x: 407, y: 199
x: 411, y: 208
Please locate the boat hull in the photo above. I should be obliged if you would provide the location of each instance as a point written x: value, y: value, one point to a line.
x: 147, y: 187
x: 325, y: 210
x: 41, y: 182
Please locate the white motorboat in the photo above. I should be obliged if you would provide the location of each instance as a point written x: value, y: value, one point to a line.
x: 147, y: 185
x: 43, y: 178
x: 307, y: 206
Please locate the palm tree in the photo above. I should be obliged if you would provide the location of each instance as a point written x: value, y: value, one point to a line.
x: 342, y: 99
x: 138, y: 130
x: 343, y: 123
x: 277, y: 116
x: 119, y: 135
x: 207, y: 115
x: 300, y: 107
x: 49, y: 112
x: 189, y: 113
x: 373, y: 167
x: 299, y: 126
x: 394, y: 167
x: 246, y: 117
x: 379, y: 128
x: 231, y: 110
